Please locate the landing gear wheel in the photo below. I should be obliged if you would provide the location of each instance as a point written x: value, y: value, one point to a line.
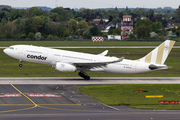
x: 20, y: 65
x: 86, y: 77
x: 83, y: 75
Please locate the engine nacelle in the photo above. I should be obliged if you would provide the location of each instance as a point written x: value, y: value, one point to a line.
x: 65, y: 67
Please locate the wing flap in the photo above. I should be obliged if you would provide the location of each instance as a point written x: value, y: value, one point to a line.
x: 96, y: 64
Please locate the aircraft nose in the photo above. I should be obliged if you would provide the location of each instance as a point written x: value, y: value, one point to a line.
x: 5, y: 51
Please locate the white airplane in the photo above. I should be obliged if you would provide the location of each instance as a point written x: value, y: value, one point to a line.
x: 68, y: 61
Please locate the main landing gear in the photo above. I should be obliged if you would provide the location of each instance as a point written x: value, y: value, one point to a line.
x: 83, y: 75
x: 20, y: 63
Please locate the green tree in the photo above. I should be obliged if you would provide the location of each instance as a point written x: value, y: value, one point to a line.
x: 54, y: 16
x: 23, y: 12
x: 66, y: 33
x: 163, y: 32
x: 110, y: 32
x: 178, y: 33
x: 87, y: 34
x: 50, y: 37
x: 20, y: 24
x: 150, y: 13
x: 8, y: 35
x: 137, y: 13
x: 37, y: 12
x: 110, y: 18
x: 31, y: 35
x: 58, y: 10
x: 94, y: 31
x: 37, y: 23
x: 143, y: 31
x: 48, y: 27
x: 30, y: 10
x: 131, y: 36
x: 60, y: 30
x: 29, y: 26
x: 178, y: 14
x: 117, y: 31
x: 79, y: 19
x: 158, y: 25
x: 15, y: 15
x: 82, y: 25
x: 72, y: 25
x: 9, y: 28
x: 4, y: 21
x: 79, y: 32
x: 23, y: 36
x: 115, y: 21
x: 174, y: 30
x: 144, y: 22
x: 127, y: 11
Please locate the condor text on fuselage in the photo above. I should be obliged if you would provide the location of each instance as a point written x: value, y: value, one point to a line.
x: 36, y: 57
x: 70, y: 61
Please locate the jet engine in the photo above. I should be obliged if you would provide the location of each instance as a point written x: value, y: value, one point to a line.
x: 65, y: 67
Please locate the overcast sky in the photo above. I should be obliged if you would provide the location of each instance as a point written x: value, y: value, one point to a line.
x: 93, y: 3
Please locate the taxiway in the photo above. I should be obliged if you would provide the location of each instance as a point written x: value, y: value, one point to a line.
x: 57, y: 98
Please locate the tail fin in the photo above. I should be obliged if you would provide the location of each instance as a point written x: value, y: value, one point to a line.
x: 159, y: 54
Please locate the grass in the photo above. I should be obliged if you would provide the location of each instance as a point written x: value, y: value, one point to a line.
x: 125, y: 95
x: 9, y: 66
x: 83, y: 43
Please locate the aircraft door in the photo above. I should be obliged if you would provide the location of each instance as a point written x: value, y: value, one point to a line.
x: 20, y: 50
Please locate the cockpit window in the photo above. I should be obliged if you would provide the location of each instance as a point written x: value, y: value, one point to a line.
x: 11, y: 48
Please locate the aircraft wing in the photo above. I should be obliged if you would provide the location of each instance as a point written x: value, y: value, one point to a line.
x: 96, y: 64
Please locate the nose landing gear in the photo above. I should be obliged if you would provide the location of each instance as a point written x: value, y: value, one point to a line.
x: 83, y: 75
x: 20, y: 63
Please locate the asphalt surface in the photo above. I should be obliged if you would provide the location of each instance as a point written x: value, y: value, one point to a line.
x: 92, y: 81
x: 66, y: 103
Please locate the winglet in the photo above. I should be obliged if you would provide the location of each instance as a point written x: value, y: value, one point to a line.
x: 103, y: 53
x: 120, y: 59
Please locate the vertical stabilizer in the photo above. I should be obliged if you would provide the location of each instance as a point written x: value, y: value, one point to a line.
x: 159, y: 54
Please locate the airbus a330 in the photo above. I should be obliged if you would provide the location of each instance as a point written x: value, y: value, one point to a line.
x: 69, y: 61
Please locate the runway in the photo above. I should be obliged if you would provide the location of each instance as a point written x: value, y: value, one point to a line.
x: 57, y: 98
x: 93, y: 81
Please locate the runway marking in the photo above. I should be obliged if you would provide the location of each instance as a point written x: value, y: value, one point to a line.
x: 73, y: 109
x: 11, y: 95
x: 18, y: 109
x: 35, y: 105
x: 43, y: 95
x: 24, y: 95
x: 154, y: 96
x: 32, y: 104
x: 35, y: 93
x: 43, y: 105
